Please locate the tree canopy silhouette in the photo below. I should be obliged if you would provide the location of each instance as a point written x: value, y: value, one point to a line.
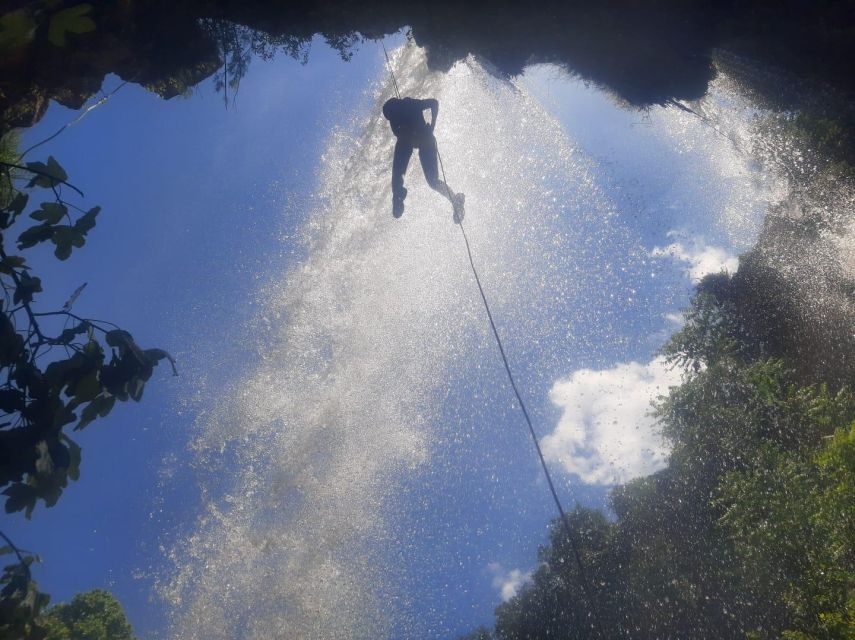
x: 644, y: 52
x: 59, y: 371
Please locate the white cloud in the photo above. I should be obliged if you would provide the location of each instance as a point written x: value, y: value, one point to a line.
x: 508, y: 583
x: 605, y: 434
x: 675, y: 321
x: 700, y: 257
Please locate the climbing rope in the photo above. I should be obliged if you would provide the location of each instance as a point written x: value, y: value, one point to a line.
x: 583, y: 578
x: 391, y: 72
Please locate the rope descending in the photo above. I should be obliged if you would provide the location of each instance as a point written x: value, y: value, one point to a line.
x: 391, y: 72
x: 583, y: 578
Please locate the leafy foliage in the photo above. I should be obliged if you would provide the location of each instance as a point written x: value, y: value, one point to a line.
x: 793, y: 525
x: 71, y: 20
x: 8, y: 154
x: 58, y: 370
x: 709, y: 332
x: 93, y: 615
x: 554, y: 604
x: 20, y: 27
x: 238, y: 45
x: 750, y: 531
x: 17, y: 29
x: 42, y: 394
x: 20, y: 600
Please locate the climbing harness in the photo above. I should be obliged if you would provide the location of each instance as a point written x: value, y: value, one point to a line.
x: 583, y: 579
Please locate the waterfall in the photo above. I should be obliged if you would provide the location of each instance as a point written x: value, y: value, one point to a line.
x: 366, y: 332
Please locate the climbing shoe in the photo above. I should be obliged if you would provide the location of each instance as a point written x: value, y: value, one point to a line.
x: 398, y: 203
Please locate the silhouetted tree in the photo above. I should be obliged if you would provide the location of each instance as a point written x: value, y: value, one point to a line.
x: 58, y: 370
x: 749, y: 532
x: 93, y: 615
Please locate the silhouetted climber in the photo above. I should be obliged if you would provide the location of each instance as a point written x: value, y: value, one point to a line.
x: 405, y: 115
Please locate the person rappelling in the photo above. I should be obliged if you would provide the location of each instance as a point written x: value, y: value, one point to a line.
x: 406, y: 117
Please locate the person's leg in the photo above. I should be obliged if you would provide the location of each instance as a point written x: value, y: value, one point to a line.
x: 428, y: 156
x: 403, y: 152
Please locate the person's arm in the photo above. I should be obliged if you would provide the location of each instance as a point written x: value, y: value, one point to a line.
x: 433, y: 105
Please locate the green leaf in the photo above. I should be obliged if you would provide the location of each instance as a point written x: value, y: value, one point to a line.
x: 93, y: 349
x: 86, y: 222
x: 49, y: 487
x: 99, y: 407
x: 47, y: 175
x: 136, y: 388
x: 44, y: 462
x: 50, y: 213
x: 156, y: 355
x: 120, y: 339
x: 10, y: 212
x: 75, y: 456
x: 28, y: 287
x: 11, y: 342
x: 67, y: 372
x: 86, y: 388
x: 67, y: 336
x: 16, y: 262
x: 55, y: 170
x: 39, y: 179
x: 17, y: 29
x: 20, y: 496
x: 19, y: 203
x: 10, y: 263
x: 62, y: 251
x: 34, y: 235
x: 71, y: 20
x: 66, y: 237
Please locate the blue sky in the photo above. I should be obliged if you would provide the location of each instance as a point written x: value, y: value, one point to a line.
x: 191, y: 196
x: 203, y: 208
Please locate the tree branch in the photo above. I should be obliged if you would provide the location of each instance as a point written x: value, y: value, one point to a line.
x: 75, y: 121
x: 42, y: 173
x: 78, y: 318
x: 17, y: 553
x: 25, y: 305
